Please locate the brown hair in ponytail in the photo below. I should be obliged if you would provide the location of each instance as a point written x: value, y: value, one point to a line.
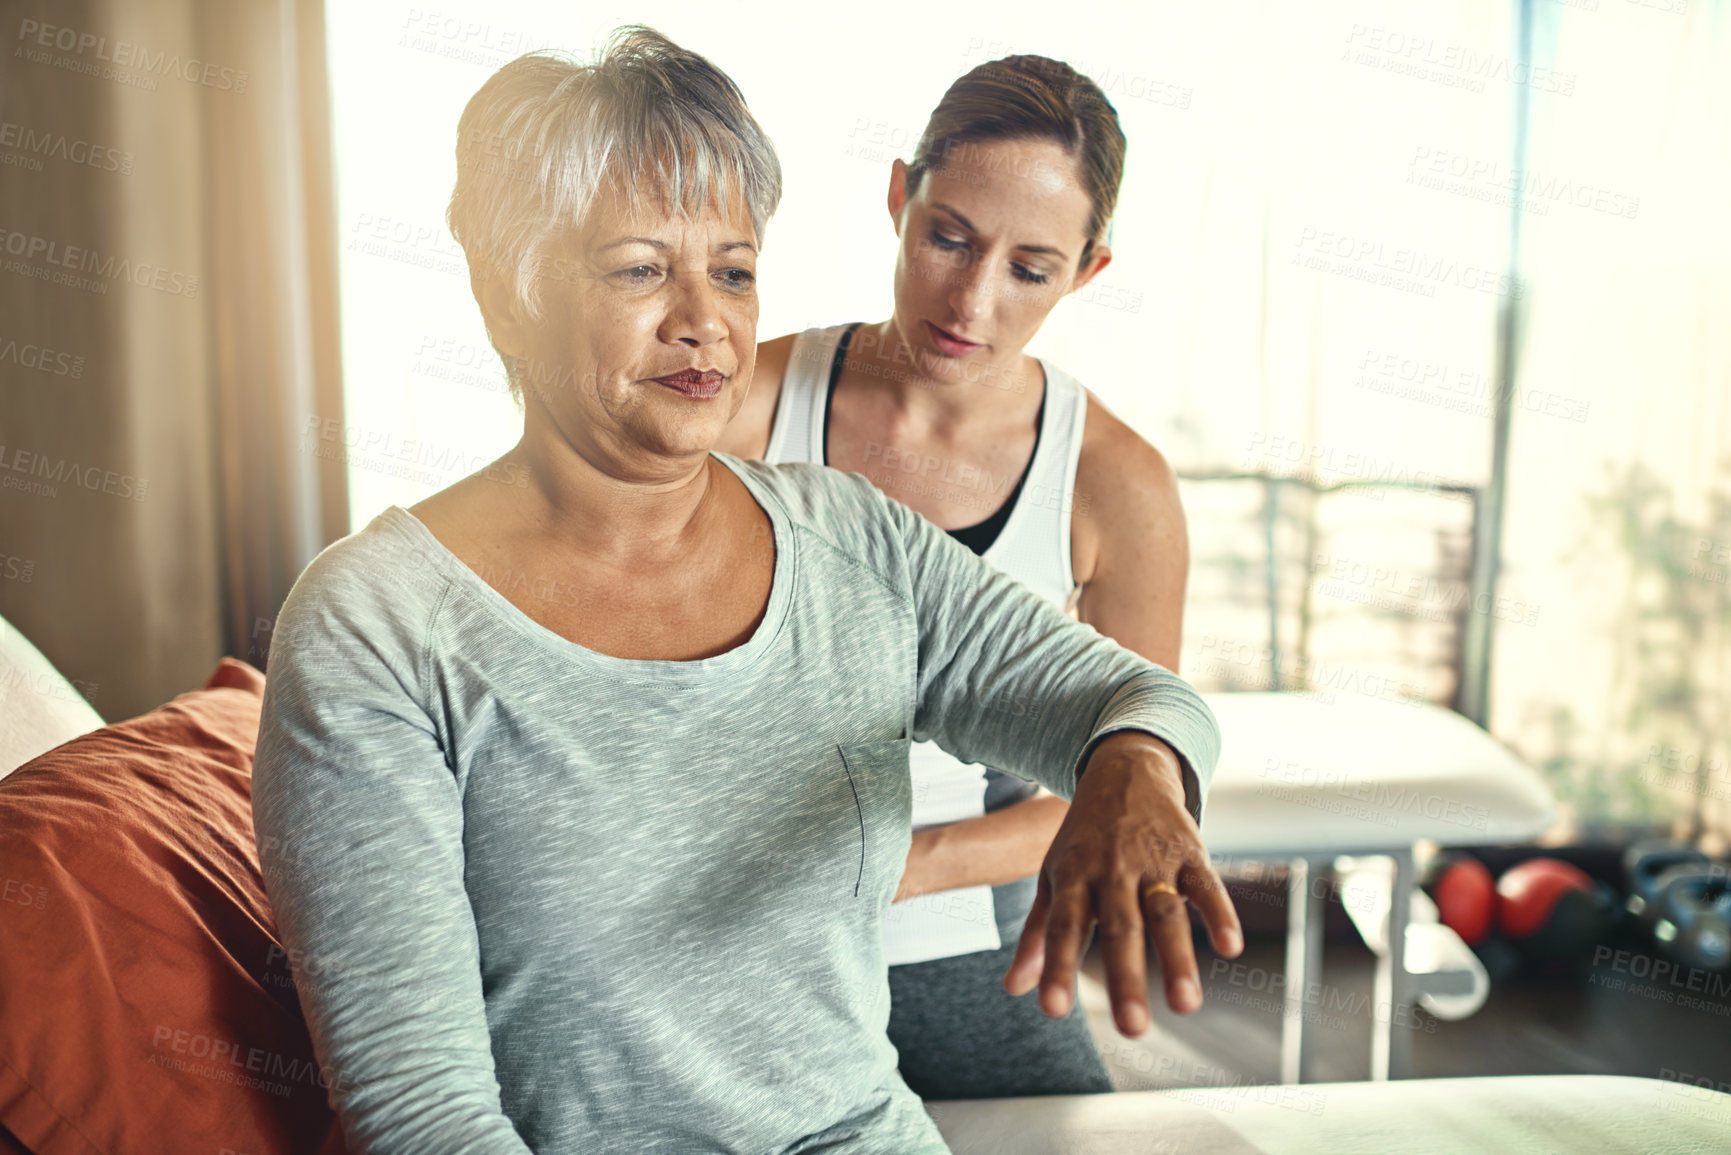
x: 1031, y: 98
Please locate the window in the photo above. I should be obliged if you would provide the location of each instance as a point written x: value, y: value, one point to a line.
x: 1312, y: 257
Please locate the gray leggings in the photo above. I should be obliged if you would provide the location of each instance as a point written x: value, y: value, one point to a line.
x: 961, y: 1037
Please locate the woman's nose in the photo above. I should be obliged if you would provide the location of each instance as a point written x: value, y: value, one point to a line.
x: 971, y: 292
x: 694, y: 316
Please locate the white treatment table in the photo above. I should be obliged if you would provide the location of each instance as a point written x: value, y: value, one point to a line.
x: 1504, y: 1115
x: 1305, y: 779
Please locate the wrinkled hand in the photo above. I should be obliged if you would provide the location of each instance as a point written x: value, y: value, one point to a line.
x: 1127, y: 830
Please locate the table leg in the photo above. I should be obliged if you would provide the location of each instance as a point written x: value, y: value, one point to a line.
x: 1391, y: 1036
x: 1306, y: 886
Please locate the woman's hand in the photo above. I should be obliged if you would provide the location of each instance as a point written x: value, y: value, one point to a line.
x: 1127, y: 857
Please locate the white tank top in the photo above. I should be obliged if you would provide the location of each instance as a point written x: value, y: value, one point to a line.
x: 1033, y: 546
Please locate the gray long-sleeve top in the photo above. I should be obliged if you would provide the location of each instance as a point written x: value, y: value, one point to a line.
x: 543, y: 899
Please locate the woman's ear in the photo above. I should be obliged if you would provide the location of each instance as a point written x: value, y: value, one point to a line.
x: 499, y: 310
x: 1098, y: 259
x: 898, y: 198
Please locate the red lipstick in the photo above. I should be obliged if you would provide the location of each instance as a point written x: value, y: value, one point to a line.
x: 695, y: 384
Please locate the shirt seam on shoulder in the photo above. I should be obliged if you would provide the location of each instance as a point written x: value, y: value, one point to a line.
x: 844, y: 555
x: 803, y: 525
x: 871, y: 491
x: 425, y: 665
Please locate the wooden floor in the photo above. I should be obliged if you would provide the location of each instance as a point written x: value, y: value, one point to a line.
x: 1604, y: 1021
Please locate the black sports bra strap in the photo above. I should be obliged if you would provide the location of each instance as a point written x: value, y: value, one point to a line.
x: 835, y: 365
x: 979, y: 536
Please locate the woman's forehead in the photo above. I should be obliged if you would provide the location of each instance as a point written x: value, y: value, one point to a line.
x: 661, y: 223
x: 649, y: 206
x: 1030, y: 165
x: 1019, y: 186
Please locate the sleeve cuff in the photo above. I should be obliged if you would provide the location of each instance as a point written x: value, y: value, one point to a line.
x: 1165, y: 707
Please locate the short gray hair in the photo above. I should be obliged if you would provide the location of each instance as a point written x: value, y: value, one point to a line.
x: 544, y: 134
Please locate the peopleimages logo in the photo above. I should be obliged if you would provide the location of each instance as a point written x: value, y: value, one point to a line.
x: 59, y: 146
x: 1370, y: 259
x: 58, y: 255
x: 46, y: 472
x: 36, y: 36
x: 1479, y: 176
x: 29, y: 355
x: 224, y: 1059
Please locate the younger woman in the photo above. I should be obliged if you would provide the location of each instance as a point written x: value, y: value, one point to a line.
x: 1001, y: 213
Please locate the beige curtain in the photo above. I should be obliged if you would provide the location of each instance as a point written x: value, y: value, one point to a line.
x: 168, y: 324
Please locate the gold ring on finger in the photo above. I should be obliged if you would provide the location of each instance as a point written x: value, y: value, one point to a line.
x: 1158, y: 888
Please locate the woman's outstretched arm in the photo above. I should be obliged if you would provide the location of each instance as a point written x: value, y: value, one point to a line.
x: 1006, y: 679
x: 1134, y: 556
x: 360, y: 829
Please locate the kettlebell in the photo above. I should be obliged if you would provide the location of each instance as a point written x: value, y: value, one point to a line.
x: 1643, y: 863
x: 1693, y: 919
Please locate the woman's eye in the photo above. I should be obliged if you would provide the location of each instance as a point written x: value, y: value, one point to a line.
x: 1030, y: 276
x: 738, y: 278
x: 944, y: 242
x: 638, y: 274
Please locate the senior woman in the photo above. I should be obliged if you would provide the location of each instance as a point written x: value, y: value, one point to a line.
x: 1000, y: 214
x: 608, y: 873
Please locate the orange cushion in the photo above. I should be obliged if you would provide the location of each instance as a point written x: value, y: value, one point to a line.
x: 147, y: 1003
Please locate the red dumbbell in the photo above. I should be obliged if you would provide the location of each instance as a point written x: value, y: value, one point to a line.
x: 1553, y: 912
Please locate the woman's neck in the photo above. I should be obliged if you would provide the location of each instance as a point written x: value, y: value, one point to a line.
x: 601, y: 506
